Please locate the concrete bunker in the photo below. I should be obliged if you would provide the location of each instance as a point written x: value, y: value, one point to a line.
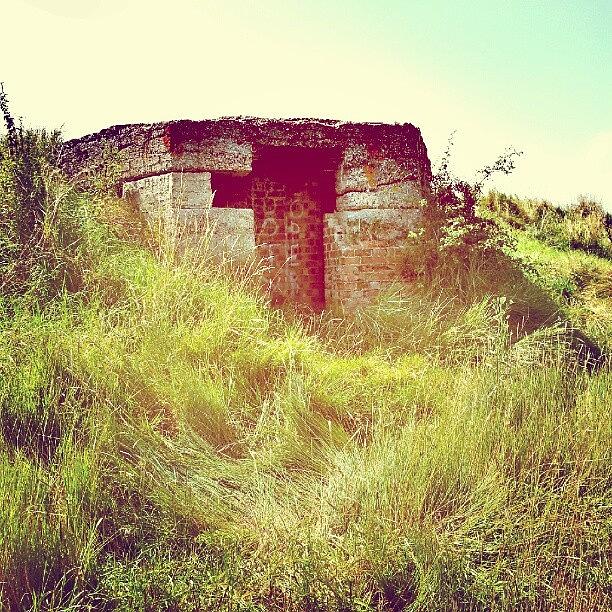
x: 325, y: 205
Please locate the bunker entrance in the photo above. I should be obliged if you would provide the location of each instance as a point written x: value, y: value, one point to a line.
x: 289, y: 190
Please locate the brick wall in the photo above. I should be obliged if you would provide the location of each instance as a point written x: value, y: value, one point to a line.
x: 288, y: 190
x: 364, y: 253
x: 289, y: 238
x: 377, y: 206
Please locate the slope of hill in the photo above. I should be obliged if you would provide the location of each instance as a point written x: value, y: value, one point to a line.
x: 568, y: 253
x: 169, y: 442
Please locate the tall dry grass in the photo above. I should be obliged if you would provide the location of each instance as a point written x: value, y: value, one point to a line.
x: 170, y: 442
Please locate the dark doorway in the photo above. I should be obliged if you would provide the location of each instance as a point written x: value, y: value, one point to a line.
x: 289, y: 190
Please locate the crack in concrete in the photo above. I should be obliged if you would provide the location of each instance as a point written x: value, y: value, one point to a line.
x: 403, y: 180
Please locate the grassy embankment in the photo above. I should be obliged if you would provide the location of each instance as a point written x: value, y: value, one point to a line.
x: 169, y: 442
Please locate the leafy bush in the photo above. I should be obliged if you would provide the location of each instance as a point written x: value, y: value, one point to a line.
x: 454, y: 238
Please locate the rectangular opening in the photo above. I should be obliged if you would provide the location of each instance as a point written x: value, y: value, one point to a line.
x: 289, y: 190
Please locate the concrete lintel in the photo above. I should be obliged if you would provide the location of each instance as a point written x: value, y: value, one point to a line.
x: 163, y: 193
x: 365, y: 167
x: 216, y: 155
x: 352, y: 227
x: 404, y: 195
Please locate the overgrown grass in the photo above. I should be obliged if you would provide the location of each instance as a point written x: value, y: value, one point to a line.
x: 163, y: 451
x: 584, y: 225
x: 579, y: 283
x: 168, y: 442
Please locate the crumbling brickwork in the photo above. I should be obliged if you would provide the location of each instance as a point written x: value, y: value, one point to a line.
x: 289, y: 235
x: 326, y: 206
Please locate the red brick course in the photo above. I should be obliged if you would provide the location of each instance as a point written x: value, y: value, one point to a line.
x: 364, y: 254
x: 289, y: 238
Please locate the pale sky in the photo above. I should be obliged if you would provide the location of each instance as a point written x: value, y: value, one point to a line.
x: 534, y: 75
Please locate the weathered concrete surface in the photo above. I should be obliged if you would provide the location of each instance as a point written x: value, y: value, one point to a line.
x: 182, y: 203
x: 372, y: 165
x: 218, y: 154
x: 229, y: 233
x: 225, y: 144
x: 165, y: 193
x: 396, y: 195
x: 353, y: 227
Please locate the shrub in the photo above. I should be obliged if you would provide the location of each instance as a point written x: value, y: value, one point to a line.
x: 454, y: 237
